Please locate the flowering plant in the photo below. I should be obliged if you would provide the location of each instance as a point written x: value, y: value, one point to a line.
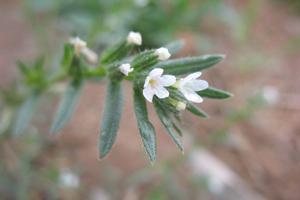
x: 155, y: 78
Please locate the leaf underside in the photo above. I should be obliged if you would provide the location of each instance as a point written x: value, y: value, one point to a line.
x: 24, y: 115
x: 111, y: 117
x: 168, y: 124
x: 67, y: 106
x: 146, y: 129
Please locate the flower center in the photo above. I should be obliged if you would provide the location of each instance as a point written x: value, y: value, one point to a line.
x: 152, y: 83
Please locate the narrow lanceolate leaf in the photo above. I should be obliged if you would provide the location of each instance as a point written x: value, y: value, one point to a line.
x: 189, y: 65
x: 145, y: 127
x: 168, y: 124
x: 214, y: 93
x: 175, y: 47
x: 24, y: 115
x: 67, y: 106
x: 111, y: 117
x: 196, y: 111
x: 116, y: 52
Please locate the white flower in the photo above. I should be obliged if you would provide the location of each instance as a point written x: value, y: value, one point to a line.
x: 134, y: 38
x: 81, y: 48
x: 68, y: 179
x: 78, y: 44
x: 189, y: 85
x: 180, y: 106
x: 126, y: 69
x: 270, y: 94
x: 162, y: 53
x: 155, y: 84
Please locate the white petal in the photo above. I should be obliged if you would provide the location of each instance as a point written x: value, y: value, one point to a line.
x: 148, y: 93
x: 161, y: 92
x: 167, y: 80
x: 198, y: 85
x: 192, y: 96
x: 147, y: 81
x: 192, y: 76
x: 156, y: 72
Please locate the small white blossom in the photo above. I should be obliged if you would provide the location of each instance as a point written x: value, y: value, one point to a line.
x: 162, y: 53
x: 134, y: 38
x: 78, y: 44
x: 189, y: 85
x: 81, y: 48
x: 69, y: 179
x: 155, y: 84
x: 270, y: 94
x: 126, y: 69
x: 181, y: 106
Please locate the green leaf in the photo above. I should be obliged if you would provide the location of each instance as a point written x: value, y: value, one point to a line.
x: 196, y: 111
x: 68, y: 56
x: 67, y: 106
x: 146, y: 129
x: 144, y: 60
x: 24, y: 115
x: 168, y: 124
x: 214, y: 93
x: 175, y: 47
x: 189, y: 65
x: 116, y: 52
x: 111, y: 117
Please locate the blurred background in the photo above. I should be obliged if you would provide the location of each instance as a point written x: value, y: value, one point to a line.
x: 249, y: 147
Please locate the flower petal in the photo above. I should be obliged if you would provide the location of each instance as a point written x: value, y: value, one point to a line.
x: 161, y: 92
x: 198, y: 85
x: 167, y: 80
x: 156, y: 72
x: 147, y: 82
x: 192, y: 96
x: 192, y: 76
x: 148, y: 93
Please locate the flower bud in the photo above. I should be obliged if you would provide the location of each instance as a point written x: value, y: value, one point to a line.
x: 134, y: 38
x: 180, y: 106
x: 126, y: 69
x: 78, y: 44
x: 162, y: 53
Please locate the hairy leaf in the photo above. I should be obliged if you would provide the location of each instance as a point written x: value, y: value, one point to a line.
x: 111, y: 117
x: 168, y: 124
x: 175, y: 47
x: 67, y: 106
x: 214, y: 93
x: 189, y: 65
x: 24, y: 115
x: 196, y: 111
x: 145, y: 127
x: 116, y: 52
